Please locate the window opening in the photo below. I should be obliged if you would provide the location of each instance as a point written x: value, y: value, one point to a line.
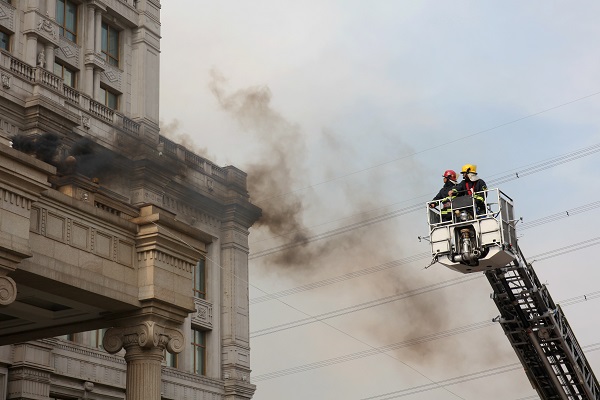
x: 199, y: 351
x: 66, y: 17
x: 110, y: 44
x: 200, y: 279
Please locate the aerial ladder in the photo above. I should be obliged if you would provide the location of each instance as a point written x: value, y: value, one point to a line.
x: 471, y: 235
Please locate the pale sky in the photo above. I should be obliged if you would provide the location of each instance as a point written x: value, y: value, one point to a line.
x: 344, y: 111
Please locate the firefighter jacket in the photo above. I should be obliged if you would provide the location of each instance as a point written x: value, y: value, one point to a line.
x: 443, y: 193
x: 471, y: 187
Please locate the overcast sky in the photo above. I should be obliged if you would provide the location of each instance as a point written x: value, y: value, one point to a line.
x: 345, y: 112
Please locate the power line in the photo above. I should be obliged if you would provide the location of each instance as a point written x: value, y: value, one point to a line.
x: 541, y: 166
x: 417, y: 257
x: 362, y: 306
x: 324, y: 322
x: 410, y: 342
x: 463, y: 378
x: 403, y: 344
x: 389, y: 299
x: 431, y: 148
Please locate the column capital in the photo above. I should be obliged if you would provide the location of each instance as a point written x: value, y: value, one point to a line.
x: 146, y: 335
x: 8, y: 290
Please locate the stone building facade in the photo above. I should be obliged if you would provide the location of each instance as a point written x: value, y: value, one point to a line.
x: 123, y: 255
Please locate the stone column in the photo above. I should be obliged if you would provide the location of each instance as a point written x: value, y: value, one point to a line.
x: 33, y: 4
x: 90, y: 31
x: 49, y: 52
x: 144, y: 346
x: 31, y: 50
x: 238, y: 216
x: 145, y: 60
x: 51, y: 8
x: 88, y: 83
x: 98, y: 33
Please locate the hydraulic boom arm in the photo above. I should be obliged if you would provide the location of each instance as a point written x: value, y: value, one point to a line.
x: 540, y: 335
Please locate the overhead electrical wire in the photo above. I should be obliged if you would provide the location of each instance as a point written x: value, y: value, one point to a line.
x: 426, y: 289
x: 532, y: 169
x: 463, y: 378
x: 361, y: 306
x: 410, y: 342
x: 324, y: 322
x: 417, y: 257
x: 443, y: 145
x: 403, y: 344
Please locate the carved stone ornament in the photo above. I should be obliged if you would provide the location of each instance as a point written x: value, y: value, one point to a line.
x: 5, y: 81
x: 8, y: 290
x: 46, y: 26
x: 85, y: 121
x: 147, y: 335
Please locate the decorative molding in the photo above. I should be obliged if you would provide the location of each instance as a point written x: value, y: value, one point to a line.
x: 204, y: 313
x: 147, y: 335
x: 113, y: 77
x: 7, y: 16
x: 55, y: 226
x: 15, y: 200
x: 5, y: 125
x: 86, y: 122
x: 6, y: 81
x: 193, y: 379
x: 165, y: 258
x: 44, y: 25
x: 70, y: 52
x: 87, y: 352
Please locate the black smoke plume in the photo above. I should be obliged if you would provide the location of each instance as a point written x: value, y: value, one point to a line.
x: 44, y: 147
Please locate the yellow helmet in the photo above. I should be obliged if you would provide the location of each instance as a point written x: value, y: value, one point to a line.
x: 469, y: 168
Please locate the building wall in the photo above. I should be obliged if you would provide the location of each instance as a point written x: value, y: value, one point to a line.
x: 147, y: 175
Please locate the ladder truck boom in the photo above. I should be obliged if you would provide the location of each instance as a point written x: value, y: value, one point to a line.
x: 481, y: 237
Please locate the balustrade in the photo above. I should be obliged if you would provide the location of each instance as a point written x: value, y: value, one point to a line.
x: 131, y: 126
x: 194, y: 159
x: 48, y: 78
x: 21, y: 68
x: 169, y: 146
x: 101, y: 110
x: 71, y: 94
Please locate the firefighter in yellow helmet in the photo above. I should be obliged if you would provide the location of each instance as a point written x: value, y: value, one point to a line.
x: 471, y: 185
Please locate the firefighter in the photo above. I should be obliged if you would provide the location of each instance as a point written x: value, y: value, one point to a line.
x: 472, y: 185
x: 445, y: 194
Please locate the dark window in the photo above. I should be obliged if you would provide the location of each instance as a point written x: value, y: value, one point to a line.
x: 67, y: 74
x: 96, y: 338
x: 200, y: 279
x: 66, y: 17
x: 171, y: 359
x: 109, y: 99
x: 199, y: 351
x: 110, y: 44
x: 4, y: 41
